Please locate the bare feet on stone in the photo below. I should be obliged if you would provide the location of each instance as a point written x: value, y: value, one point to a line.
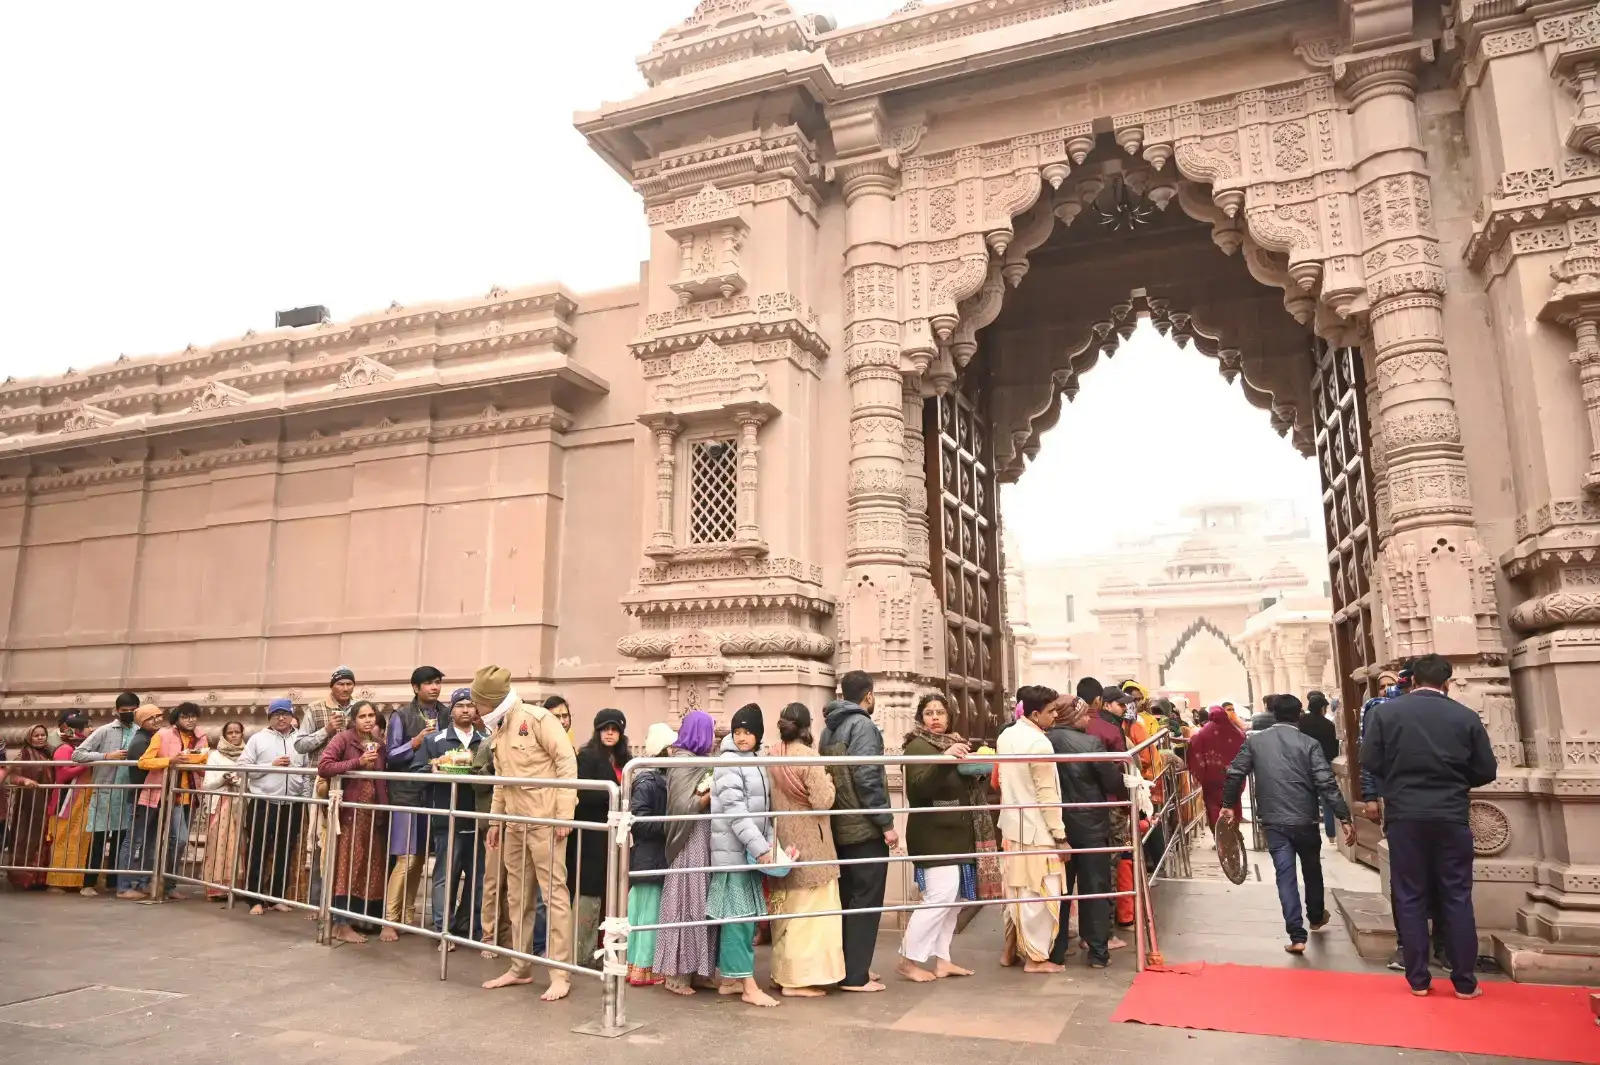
x: 509, y: 978
x: 804, y: 992
x: 868, y: 988
x: 1043, y: 967
x: 346, y: 934
x: 388, y: 935
x: 559, y: 989
x: 915, y: 973
x: 678, y: 987
x: 757, y: 997
x: 943, y: 969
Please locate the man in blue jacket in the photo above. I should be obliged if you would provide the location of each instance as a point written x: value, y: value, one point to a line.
x: 465, y: 870
x: 1427, y: 752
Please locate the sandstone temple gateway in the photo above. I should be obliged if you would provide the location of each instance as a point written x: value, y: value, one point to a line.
x: 883, y: 259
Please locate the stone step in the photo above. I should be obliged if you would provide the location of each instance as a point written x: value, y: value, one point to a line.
x: 1539, y: 961
x: 1367, y: 918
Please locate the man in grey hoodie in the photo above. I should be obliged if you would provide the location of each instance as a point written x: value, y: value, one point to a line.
x: 851, y: 731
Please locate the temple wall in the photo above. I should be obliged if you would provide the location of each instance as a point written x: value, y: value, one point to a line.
x: 370, y: 525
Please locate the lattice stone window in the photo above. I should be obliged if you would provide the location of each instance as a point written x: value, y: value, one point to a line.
x: 713, y: 491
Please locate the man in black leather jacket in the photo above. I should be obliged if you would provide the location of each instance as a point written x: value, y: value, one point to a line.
x: 1291, y: 773
x: 1086, y: 782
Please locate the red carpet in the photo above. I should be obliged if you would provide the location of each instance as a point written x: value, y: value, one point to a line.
x: 1510, y: 1020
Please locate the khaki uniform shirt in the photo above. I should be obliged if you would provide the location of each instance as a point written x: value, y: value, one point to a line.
x: 530, y: 742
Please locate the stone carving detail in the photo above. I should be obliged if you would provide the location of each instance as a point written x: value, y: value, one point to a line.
x: 217, y: 395
x: 709, y: 376
x: 710, y: 230
x: 86, y: 416
x: 1491, y: 828
x: 1287, y: 146
x: 1575, y: 303
x: 362, y: 371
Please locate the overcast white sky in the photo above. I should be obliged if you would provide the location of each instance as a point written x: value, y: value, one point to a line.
x: 178, y: 171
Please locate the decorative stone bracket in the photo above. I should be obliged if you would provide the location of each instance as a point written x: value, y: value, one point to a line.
x: 710, y: 229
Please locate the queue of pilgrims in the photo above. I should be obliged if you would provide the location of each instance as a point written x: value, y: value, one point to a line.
x: 718, y: 882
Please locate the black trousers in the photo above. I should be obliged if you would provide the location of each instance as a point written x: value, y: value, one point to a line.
x: 861, y: 885
x: 274, y: 830
x: 1087, y: 874
x: 1430, y: 864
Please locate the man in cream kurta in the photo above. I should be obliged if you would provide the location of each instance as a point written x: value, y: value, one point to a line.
x: 1032, y: 837
x: 530, y: 742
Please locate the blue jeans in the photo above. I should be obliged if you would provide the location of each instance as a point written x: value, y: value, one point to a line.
x: 466, y: 885
x: 1286, y: 843
x: 138, y: 848
x: 1328, y: 821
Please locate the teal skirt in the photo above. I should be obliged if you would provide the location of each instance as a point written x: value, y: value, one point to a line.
x: 644, y: 907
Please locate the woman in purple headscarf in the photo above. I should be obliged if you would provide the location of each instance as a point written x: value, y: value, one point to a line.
x: 685, y: 953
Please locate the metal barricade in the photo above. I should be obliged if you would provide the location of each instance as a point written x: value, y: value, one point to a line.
x: 70, y: 823
x: 527, y: 868
x: 235, y: 835
x: 614, y: 1018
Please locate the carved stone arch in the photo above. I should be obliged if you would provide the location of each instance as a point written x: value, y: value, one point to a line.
x: 1196, y: 627
x: 1018, y: 430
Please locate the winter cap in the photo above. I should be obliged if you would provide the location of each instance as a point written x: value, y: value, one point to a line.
x: 490, y: 685
x: 658, y: 738
x: 280, y: 706
x: 748, y: 717
x: 610, y: 717
x: 425, y: 675
x: 342, y: 673
x: 148, y: 714
x: 459, y: 695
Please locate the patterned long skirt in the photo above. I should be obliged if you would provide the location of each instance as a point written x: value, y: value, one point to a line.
x: 687, y: 951
x: 222, y: 840
x: 69, y: 844
x: 360, y: 870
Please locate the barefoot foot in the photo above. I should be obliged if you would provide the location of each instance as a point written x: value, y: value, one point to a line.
x: 915, y: 973
x: 559, y: 989
x: 1043, y: 967
x: 943, y: 969
x: 757, y: 997
x: 804, y: 992
x: 257, y: 910
x: 509, y: 978
x: 346, y: 934
x: 678, y: 987
x: 867, y: 988
x: 388, y: 935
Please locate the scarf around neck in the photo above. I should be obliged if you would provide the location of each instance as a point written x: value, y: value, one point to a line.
x: 228, y: 750
x: 939, y: 741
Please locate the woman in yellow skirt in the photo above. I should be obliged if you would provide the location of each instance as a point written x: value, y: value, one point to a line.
x: 808, y: 953
x: 69, y: 810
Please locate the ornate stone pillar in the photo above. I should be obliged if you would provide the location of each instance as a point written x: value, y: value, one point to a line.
x: 916, y: 480
x: 1437, y: 581
x: 876, y: 624
x: 663, y: 541
x: 1575, y: 303
x: 748, y: 529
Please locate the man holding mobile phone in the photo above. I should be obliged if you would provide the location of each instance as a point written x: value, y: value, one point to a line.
x: 323, y: 720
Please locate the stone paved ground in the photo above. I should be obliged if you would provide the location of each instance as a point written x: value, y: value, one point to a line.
x: 196, y: 985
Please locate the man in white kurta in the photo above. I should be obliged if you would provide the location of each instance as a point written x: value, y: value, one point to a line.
x: 1032, y: 838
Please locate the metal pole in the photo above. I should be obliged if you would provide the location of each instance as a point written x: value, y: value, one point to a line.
x: 236, y: 812
x: 449, y: 881
x: 163, y: 829
x: 328, y: 856
x: 611, y: 1008
x: 1136, y: 838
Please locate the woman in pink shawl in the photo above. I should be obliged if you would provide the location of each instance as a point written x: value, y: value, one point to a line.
x: 1211, y: 751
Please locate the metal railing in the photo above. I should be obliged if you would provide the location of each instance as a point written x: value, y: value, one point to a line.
x: 202, y: 826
